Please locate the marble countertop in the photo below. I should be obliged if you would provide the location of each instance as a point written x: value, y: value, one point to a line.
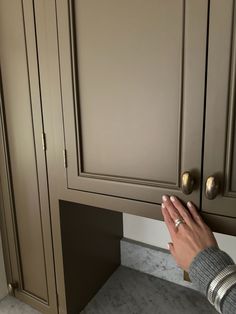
x: 131, y: 292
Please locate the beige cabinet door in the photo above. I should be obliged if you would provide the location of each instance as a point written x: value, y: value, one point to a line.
x: 220, y: 134
x: 27, y: 210
x: 133, y: 79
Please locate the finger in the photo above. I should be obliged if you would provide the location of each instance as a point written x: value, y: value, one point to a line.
x: 171, y: 208
x: 193, y: 210
x: 182, y: 210
x: 171, y: 249
x: 168, y: 221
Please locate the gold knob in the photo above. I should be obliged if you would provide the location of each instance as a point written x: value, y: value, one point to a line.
x: 212, y: 187
x: 11, y: 287
x: 187, y: 183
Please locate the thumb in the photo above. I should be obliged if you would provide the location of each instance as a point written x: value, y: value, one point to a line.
x: 171, y: 248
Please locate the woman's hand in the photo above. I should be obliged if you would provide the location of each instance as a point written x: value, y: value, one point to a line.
x: 190, y: 237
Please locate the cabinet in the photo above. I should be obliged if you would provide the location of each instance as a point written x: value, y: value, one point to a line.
x: 25, y: 203
x: 130, y: 87
x: 148, y: 93
x: 137, y: 101
x: 130, y: 96
x: 220, y: 134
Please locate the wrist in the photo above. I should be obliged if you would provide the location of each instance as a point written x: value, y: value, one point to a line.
x: 207, y: 265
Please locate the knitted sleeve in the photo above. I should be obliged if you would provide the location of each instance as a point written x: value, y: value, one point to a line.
x: 205, y: 267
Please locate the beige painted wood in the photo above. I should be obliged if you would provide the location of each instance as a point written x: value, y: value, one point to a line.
x: 137, y: 96
x: 129, y: 65
x: 29, y: 208
x: 50, y: 76
x: 220, y: 134
x: 58, y: 74
x: 51, y: 98
x: 138, y: 74
x: 7, y: 228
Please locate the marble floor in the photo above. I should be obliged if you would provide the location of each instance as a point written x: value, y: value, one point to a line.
x: 10, y: 305
x: 131, y: 292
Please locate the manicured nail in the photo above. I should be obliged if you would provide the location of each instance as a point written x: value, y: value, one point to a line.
x: 165, y: 198
x: 162, y: 205
x: 173, y: 199
x: 168, y: 246
x: 189, y: 204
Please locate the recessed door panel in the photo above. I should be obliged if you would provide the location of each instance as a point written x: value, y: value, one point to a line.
x: 129, y: 66
x: 132, y: 77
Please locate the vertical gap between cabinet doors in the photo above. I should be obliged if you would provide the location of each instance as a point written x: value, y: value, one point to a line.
x: 181, y: 105
x: 75, y: 88
x: 61, y: 93
x: 5, y: 162
x: 204, y: 111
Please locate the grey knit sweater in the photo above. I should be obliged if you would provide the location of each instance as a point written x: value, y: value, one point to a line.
x: 205, y: 267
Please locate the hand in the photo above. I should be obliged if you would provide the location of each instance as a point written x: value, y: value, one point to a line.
x: 190, y: 237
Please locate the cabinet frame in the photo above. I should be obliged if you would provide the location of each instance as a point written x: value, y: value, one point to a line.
x: 10, y: 233
x: 220, y: 108
x: 194, y: 39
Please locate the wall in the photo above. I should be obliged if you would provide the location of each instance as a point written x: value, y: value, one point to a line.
x: 155, y: 233
x: 3, y: 281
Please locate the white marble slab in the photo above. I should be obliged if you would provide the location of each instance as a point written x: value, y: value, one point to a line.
x: 153, y: 261
x: 131, y: 292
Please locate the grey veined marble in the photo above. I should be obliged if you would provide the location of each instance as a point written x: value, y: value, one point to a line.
x: 131, y: 292
x: 151, y: 260
x: 140, y: 291
x: 10, y: 305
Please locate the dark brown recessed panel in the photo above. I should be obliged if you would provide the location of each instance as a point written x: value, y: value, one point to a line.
x: 221, y: 224
x: 91, y: 250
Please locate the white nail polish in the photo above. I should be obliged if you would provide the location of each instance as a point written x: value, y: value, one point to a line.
x: 168, y: 246
x: 164, y: 197
x: 189, y: 204
x: 162, y: 205
x: 173, y: 199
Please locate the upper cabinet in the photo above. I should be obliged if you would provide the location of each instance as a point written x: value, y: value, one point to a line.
x: 220, y: 134
x: 141, y: 100
x: 133, y: 84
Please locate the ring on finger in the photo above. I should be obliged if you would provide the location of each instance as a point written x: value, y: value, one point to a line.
x: 178, y: 222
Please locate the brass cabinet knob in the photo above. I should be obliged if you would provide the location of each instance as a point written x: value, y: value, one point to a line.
x: 187, y: 183
x: 11, y: 287
x: 212, y: 187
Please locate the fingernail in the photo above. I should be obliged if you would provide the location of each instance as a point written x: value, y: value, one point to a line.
x: 168, y: 246
x: 173, y: 199
x: 165, y: 198
x: 189, y: 204
x: 162, y: 205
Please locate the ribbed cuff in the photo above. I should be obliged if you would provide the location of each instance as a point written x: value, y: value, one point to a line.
x: 206, y: 265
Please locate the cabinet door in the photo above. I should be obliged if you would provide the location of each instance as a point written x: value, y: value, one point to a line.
x: 132, y: 75
x: 27, y: 215
x: 220, y: 135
